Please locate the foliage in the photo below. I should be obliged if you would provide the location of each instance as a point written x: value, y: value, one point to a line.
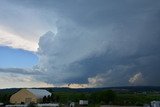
x: 104, y: 97
x: 44, y: 99
x: 64, y: 97
x: 95, y: 98
x: 4, y: 98
x: 136, y: 98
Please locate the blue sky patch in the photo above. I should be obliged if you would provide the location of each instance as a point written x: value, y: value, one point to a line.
x: 10, y: 57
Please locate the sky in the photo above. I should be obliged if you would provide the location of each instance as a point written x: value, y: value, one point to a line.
x: 79, y: 43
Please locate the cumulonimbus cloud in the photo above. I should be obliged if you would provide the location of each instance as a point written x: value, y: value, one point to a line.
x: 21, y: 26
x: 103, y: 46
x: 107, y: 55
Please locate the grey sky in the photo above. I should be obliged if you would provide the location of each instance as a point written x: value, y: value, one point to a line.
x: 95, y: 42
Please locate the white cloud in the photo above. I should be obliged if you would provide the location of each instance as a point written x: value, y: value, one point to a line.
x: 96, y: 81
x: 20, y: 81
x: 137, y: 79
x: 116, y: 76
x: 21, y: 26
x: 76, y: 85
x: 15, y: 41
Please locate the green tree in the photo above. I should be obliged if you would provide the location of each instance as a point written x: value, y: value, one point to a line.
x: 104, y: 97
x: 44, y: 99
x: 49, y: 99
x: 108, y: 96
x: 52, y: 98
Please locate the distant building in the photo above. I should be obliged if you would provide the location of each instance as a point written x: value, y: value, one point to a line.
x: 146, y: 105
x: 28, y: 96
x: 1, y: 104
x: 72, y: 104
x: 155, y: 104
x: 83, y: 102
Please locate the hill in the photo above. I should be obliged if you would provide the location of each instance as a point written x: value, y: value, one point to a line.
x: 118, y: 89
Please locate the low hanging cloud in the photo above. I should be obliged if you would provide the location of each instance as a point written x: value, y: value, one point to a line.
x: 20, y: 71
x: 137, y: 79
x: 20, y: 81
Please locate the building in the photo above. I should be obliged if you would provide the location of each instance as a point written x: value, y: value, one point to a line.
x: 1, y: 104
x: 155, y: 104
x: 72, y: 104
x: 83, y: 102
x: 28, y: 96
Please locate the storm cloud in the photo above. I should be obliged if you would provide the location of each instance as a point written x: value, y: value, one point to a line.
x: 109, y: 43
x: 98, y: 43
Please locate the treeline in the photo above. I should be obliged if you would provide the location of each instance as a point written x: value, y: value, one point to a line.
x: 5, y: 98
x: 50, y: 99
x: 5, y: 95
x: 137, y: 99
x: 94, y: 98
x: 103, y: 97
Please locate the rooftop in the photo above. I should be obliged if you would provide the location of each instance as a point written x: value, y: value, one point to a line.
x: 39, y: 93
